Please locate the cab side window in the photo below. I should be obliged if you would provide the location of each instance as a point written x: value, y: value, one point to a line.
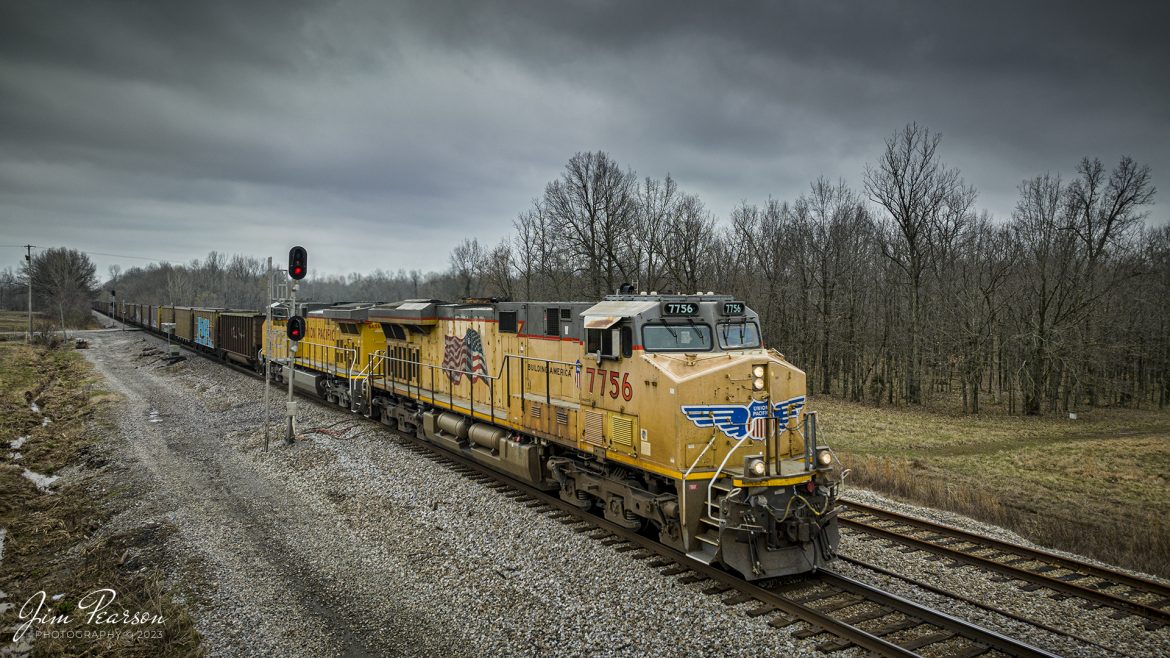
x: 601, y: 340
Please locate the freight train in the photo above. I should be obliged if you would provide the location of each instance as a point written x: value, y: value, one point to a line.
x: 661, y: 412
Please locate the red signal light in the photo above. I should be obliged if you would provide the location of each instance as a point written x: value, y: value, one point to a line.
x: 295, y: 328
x: 298, y: 261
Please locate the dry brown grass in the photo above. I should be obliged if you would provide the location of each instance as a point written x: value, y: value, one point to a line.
x: 62, y: 542
x: 18, y: 321
x: 1099, y: 486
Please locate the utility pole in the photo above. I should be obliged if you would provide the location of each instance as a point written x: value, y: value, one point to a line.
x: 267, y: 352
x: 28, y: 271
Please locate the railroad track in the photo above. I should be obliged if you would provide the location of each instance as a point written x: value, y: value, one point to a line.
x: 853, y: 613
x: 1040, y: 569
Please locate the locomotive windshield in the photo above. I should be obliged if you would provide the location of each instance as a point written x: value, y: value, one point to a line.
x: 738, y: 335
x: 676, y: 338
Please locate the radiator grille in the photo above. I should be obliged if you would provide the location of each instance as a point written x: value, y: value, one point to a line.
x: 534, y: 409
x: 594, y: 428
x: 562, y: 416
x: 622, y: 432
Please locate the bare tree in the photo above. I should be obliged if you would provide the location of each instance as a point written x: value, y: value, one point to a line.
x: 64, y: 280
x: 467, y: 264
x: 922, y: 198
x: 593, y: 206
x: 658, y: 207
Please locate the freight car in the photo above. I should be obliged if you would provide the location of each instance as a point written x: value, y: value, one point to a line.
x: 663, y: 412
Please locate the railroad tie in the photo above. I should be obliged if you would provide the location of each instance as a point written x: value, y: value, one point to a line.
x: 896, y: 626
x: 848, y: 602
x: 782, y: 620
x: 762, y: 609
x: 924, y: 640
x: 866, y: 616
x: 693, y: 578
x: 660, y: 562
x: 972, y: 651
x: 806, y: 633
x: 834, y: 645
x: 717, y: 589
x: 738, y: 599
x: 674, y: 571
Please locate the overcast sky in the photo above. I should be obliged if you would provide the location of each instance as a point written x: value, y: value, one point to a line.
x: 380, y: 134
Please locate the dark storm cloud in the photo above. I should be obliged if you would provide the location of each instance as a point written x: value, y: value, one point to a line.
x: 383, y: 134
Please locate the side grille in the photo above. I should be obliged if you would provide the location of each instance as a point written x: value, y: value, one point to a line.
x: 534, y: 409
x: 621, y: 432
x: 562, y: 416
x: 595, y: 428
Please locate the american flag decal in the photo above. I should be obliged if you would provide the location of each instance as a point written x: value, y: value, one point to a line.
x: 464, y: 356
x: 473, y: 345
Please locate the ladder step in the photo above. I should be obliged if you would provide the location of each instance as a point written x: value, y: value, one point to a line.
x: 706, y: 555
x: 706, y: 538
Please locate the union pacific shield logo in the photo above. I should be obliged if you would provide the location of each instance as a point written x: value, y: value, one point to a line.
x: 739, y: 420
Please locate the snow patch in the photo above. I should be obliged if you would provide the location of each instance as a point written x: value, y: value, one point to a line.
x: 17, y: 442
x: 43, y: 482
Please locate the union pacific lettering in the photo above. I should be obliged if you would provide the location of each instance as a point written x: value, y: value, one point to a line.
x: 320, y: 332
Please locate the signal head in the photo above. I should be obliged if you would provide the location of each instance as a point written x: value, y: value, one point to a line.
x: 295, y: 328
x: 298, y: 263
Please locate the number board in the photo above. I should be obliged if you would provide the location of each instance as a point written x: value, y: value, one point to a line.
x: 733, y: 308
x: 680, y: 308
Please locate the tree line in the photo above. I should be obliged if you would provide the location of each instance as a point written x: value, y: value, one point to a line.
x: 894, y: 292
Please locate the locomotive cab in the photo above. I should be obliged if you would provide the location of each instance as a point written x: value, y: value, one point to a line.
x: 756, y: 492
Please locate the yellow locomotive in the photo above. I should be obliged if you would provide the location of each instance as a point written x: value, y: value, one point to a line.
x: 665, y: 412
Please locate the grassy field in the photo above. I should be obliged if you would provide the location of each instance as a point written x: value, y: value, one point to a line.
x: 1098, y: 485
x: 58, y: 541
x: 18, y: 321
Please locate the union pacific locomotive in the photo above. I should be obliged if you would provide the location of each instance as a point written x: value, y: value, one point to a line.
x: 663, y: 412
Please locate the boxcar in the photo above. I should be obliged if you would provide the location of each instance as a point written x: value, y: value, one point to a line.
x: 165, y: 314
x: 241, y: 335
x: 184, y: 324
x: 206, y: 320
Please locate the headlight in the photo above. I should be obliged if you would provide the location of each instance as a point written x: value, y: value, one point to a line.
x: 758, y: 371
x: 756, y: 467
x: 824, y: 458
x: 758, y: 384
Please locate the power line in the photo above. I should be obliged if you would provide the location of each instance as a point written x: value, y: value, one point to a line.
x: 94, y: 253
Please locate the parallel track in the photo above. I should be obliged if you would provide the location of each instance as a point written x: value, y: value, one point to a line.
x: 1098, y: 586
x: 836, y: 605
